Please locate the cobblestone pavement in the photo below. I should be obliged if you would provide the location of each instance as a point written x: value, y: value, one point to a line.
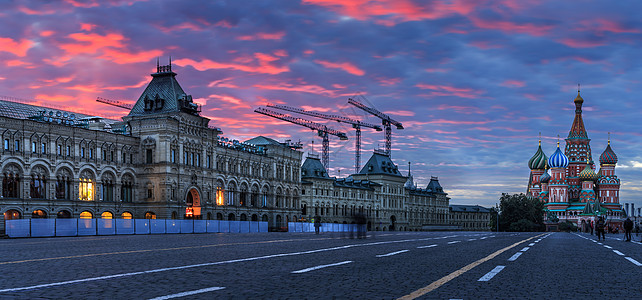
x: 427, y: 265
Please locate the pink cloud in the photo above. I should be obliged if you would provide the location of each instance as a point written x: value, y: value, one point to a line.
x: 262, y: 65
x: 262, y: 36
x: 461, y: 109
x: 455, y: 122
x: 47, y: 33
x: 17, y: 48
x: 511, y: 27
x: 513, y: 83
x: 231, y: 100
x: 309, y: 88
x: 445, y: 90
x: 395, y: 11
x: 345, y: 66
x: 574, y: 43
x: 401, y: 113
x: 87, y: 26
x: 280, y: 53
x: 223, y: 83
x: 388, y: 81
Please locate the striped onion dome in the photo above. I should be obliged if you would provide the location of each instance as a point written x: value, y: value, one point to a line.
x: 558, y: 159
x: 545, y: 178
x: 608, y: 156
x: 538, y: 161
x: 588, y: 174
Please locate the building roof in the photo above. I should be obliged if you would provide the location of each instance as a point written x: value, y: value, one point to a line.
x: 313, y: 168
x: 163, y: 94
x: 434, y: 186
x: 468, y: 208
x: 380, y: 163
x: 262, y: 141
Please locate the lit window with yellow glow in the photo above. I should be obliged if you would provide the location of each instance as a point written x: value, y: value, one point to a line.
x: 126, y: 215
x: 220, y: 198
x: 86, y: 215
x: 107, y: 215
x: 86, y: 190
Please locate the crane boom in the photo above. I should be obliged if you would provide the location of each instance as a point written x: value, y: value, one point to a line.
x: 321, y: 129
x: 339, y: 119
x: 114, y: 103
x: 356, y: 124
x: 386, y: 120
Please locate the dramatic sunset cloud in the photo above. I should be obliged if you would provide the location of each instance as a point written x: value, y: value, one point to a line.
x: 473, y: 82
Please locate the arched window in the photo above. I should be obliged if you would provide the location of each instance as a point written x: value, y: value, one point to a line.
x: 219, y: 216
x: 11, y: 214
x: 243, y: 195
x: 230, y: 194
x: 126, y: 189
x: 255, y: 217
x: 231, y: 217
x: 63, y: 214
x: 86, y: 215
x: 126, y: 215
x: 264, y: 218
x: 38, y: 182
x: 220, y: 193
x: 243, y: 217
x: 254, y: 196
x: 63, y: 184
x: 174, y: 215
x: 108, y: 187
x: 86, y: 186
x: 39, y: 214
x: 150, y: 215
x: 10, y: 182
x: 107, y: 215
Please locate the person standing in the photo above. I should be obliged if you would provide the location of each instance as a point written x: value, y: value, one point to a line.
x: 628, y: 227
x: 317, y: 224
x: 599, y: 227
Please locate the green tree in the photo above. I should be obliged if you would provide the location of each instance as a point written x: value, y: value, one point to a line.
x: 520, y: 213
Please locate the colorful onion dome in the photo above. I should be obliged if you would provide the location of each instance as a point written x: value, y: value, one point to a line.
x: 608, y: 156
x: 588, y: 174
x: 558, y: 159
x: 579, y: 98
x: 545, y: 178
x: 538, y: 161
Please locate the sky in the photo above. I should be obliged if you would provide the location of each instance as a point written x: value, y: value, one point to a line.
x: 473, y: 82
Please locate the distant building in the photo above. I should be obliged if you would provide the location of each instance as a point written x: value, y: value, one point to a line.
x: 470, y: 217
x: 389, y: 200
x: 164, y: 160
x: 568, y: 184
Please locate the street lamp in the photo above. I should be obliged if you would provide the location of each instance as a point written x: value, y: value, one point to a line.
x: 497, y: 210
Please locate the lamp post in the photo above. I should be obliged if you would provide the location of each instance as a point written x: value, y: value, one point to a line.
x: 497, y: 210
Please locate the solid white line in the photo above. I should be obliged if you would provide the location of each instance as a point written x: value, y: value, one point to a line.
x: 491, y: 274
x: 635, y: 262
x: 515, y: 256
x: 206, y: 264
x: 618, y: 252
x: 321, y: 267
x: 183, y: 294
x: 454, y: 242
x: 525, y: 249
x: 429, y: 246
x: 531, y: 244
x: 392, y: 253
x: 607, y: 246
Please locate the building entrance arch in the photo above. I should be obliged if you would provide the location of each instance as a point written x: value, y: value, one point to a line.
x: 193, y: 201
x: 393, y: 220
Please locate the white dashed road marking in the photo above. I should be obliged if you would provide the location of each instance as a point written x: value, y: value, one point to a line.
x: 618, y: 252
x: 525, y: 249
x: 607, y: 246
x: 392, y: 253
x: 321, y: 267
x: 531, y: 244
x: 635, y: 262
x: 183, y: 294
x: 429, y: 246
x: 491, y: 274
x: 515, y: 256
x: 454, y: 242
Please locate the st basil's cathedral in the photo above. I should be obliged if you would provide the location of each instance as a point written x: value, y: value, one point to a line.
x: 567, y: 182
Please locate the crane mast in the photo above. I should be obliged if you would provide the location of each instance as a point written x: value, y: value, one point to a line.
x: 356, y: 124
x: 322, y: 130
x: 386, y: 121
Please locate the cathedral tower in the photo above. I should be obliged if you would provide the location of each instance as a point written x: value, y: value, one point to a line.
x: 578, y: 150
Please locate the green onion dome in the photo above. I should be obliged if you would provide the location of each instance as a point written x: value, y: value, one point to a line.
x: 538, y: 161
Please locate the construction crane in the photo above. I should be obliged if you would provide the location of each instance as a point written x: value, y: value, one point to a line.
x: 115, y: 103
x: 386, y: 120
x: 321, y: 129
x: 356, y: 124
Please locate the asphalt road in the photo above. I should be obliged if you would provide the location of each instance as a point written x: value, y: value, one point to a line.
x: 424, y: 265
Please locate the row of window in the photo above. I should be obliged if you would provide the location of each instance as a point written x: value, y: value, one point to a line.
x: 67, y: 151
x: 86, y: 187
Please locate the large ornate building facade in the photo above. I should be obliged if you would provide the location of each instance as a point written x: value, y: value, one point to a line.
x: 568, y: 184
x: 164, y: 160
